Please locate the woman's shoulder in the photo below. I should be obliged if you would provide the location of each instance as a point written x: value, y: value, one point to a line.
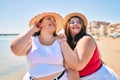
x: 87, y: 39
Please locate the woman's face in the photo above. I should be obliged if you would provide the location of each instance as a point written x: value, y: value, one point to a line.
x: 75, y: 26
x: 48, y: 23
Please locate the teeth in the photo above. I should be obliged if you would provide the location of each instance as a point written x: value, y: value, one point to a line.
x: 75, y: 27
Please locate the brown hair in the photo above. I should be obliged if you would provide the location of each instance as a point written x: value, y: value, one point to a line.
x: 72, y: 42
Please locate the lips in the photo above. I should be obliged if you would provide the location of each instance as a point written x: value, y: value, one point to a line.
x: 76, y: 28
x: 51, y: 25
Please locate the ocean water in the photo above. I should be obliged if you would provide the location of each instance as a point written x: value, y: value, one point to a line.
x: 8, y: 61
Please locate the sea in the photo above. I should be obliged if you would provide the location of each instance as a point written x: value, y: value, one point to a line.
x: 9, y: 63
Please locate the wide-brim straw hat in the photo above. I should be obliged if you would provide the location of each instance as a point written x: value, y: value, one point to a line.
x: 75, y: 14
x: 58, y: 18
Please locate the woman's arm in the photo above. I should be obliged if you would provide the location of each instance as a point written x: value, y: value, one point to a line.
x: 22, y: 43
x: 72, y: 74
x: 77, y: 59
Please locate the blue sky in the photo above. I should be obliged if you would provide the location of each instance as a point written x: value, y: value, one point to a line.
x: 15, y: 14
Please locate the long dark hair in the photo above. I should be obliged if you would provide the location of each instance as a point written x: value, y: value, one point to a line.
x: 38, y: 33
x: 73, y: 42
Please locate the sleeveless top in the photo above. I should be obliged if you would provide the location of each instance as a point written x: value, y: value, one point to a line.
x: 44, y: 60
x: 93, y: 65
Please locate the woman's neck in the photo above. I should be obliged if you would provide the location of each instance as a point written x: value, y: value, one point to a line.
x: 47, y: 39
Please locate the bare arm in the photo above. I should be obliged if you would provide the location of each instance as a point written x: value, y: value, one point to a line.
x: 22, y: 43
x: 72, y: 74
x: 77, y: 59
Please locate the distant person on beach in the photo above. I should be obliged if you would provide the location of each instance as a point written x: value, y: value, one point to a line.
x: 80, y: 50
x: 39, y: 43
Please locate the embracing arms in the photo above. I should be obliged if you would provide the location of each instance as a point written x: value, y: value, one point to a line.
x: 79, y: 57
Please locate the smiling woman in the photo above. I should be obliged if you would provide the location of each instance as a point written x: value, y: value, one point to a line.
x: 81, y: 52
x: 40, y: 46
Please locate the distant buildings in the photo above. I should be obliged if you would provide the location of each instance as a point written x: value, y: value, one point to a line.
x: 99, y: 28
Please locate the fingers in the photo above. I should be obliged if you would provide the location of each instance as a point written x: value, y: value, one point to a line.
x: 61, y: 31
x: 36, y: 24
x: 61, y: 36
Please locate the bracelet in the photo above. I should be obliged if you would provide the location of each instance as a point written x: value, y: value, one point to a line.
x: 62, y: 41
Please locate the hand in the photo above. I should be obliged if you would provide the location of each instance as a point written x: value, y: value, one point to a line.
x: 61, y: 38
x: 36, y: 26
x: 62, y: 31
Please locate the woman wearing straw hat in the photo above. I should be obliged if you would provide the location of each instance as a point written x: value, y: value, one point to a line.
x: 80, y: 50
x: 39, y: 43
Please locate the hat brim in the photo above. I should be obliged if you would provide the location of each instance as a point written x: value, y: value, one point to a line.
x: 58, y: 18
x: 75, y: 14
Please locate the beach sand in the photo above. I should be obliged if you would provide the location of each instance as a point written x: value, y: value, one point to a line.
x: 110, y: 53
x: 16, y: 75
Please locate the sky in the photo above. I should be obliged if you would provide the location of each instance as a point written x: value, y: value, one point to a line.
x: 16, y: 14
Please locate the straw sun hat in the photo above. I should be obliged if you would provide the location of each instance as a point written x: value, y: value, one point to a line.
x: 75, y: 14
x: 58, y: 18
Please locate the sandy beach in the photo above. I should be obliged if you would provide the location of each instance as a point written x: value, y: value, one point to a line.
x: 110, y: 52
x: 109, y: 49
x: 15, y: 75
